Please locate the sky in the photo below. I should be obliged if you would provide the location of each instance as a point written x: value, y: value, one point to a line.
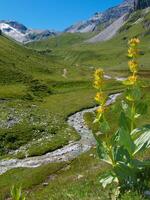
x: 52, y: 14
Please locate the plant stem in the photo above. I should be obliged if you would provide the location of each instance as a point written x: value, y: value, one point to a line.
x: 132, y: 116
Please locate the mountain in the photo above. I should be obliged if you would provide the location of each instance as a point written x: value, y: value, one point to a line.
x: 110, y: 31
x: 21, y: 33
x: 141, y: 4
x: 113, y: 28
x: 101, y: 20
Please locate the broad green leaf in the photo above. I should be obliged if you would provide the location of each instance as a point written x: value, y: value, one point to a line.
x: 141, y: 164
x: 115, y: 138
x: 124, y: 122
x: 108, y: 178
x: 124, y: 171
x: 127, y: 82
x: 133, y: 94
x: 138, y: 131
x: 104, y: 125
x: 103, y: 152
x: 142, y: 142
x: 141, y: 108
x: 121, y: 154
x: 126, y: 141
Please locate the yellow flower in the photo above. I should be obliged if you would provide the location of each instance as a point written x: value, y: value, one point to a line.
x: 99, y: 74
x: 134, y: 42
x: 100, y: 97
x: 100, y: 110
x: 132, y: 52
x: 133, y: 65
x: 132, y: 79
x: 98, y: 84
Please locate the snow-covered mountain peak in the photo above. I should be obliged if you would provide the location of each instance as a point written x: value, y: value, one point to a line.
x: 21, y: 33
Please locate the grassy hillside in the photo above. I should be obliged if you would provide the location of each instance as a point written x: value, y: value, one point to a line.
x: 29, y: 78
x: 61, y: 41
x: 37, y: 98
x: 109, y: 54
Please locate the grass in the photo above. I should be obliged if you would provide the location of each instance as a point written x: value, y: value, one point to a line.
x: 65, y: 39
x: 28, y: 178
x: 79, y: 180
x: 103, y: 53
x: 35, y: 91
x: 13, y: 91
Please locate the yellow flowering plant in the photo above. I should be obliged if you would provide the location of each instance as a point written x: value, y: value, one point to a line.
x: 101, y: 99
x: 121, y: 150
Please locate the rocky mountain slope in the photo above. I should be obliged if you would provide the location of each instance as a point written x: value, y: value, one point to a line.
x: 21, y: 33
x: 110, y: 31
x: 113, y: 28
x: 102, y: 19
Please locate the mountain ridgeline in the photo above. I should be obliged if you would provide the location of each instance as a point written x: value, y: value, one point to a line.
x: 101, y: 20
x: 102, y: 23
x: 22, y: 34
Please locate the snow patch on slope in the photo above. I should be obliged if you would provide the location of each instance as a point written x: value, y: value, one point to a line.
x: 12, y: 32
x: 22, y: 34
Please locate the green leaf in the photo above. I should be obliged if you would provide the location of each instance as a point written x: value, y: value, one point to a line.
x: 115, y: 138
x: 16, y: 193
x: 138, y: 131
x: 103, y: 152
x: 98, y: 118
x: 141, y: 108
x: 124, y: 122
x: 108, y: 178
x: 142, y: 142
x: 126, y: 141
x: 127, y: 82
x: 104, y: 125
x: 121, y: 154
x: 141, y: 164
x: 133, y: 94
x: 125, y: 172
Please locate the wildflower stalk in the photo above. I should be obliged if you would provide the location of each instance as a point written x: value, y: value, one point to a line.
x: 101, y: 99
x: 132, y: 81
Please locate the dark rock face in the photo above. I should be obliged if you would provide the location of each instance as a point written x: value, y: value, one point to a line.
x: 141, y: 4
x: 18, y: 26
x: 15, y: 25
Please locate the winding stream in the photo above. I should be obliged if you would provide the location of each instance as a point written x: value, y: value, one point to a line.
x: 66, y: 153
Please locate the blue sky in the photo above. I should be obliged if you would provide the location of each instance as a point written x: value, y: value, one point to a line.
x: 51, y: 14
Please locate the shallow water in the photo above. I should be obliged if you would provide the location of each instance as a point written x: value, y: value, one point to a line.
x: 66, y: 153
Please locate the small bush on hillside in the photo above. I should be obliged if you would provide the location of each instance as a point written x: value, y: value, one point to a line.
x: 39, y: 88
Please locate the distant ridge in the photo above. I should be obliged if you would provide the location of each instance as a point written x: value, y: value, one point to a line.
x: 110, y: 31
x: 21, y: 33
x: 102, y: 20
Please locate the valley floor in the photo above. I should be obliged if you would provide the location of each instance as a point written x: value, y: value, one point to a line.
x: 76, y: 179
x: 40, y: 90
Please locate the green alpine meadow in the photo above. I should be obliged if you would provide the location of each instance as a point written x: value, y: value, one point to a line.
x: 75, y: 103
